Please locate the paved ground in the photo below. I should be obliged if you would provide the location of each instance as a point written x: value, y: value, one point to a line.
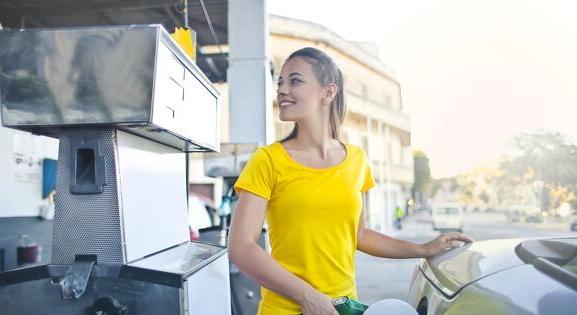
x: 379, y: 278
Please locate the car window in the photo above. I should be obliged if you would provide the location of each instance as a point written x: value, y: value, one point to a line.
x: 447, y: 210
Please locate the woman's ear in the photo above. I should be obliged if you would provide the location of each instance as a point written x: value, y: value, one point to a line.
x: 330, y: 92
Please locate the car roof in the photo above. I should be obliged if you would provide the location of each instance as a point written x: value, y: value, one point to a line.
x: 447, y: 204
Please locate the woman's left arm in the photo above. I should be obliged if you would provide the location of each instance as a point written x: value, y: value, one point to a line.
x: 380, y: 245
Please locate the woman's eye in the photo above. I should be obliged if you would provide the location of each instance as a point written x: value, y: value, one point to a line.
x: 292, y: 82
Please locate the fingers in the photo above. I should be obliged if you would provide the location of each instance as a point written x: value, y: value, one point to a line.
x: 455, y: 236
x: 455, y: 239
x: 318, y: 304
x: 455, y: 244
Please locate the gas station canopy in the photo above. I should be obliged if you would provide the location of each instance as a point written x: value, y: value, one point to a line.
x: 73, y: 13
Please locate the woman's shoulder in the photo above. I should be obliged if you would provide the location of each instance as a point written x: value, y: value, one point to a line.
x: 267, y: 152
x: 356, y: 150
x: 270, y: 149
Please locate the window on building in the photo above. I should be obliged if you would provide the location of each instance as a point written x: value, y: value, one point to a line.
x: 364, y: 91
x: 376, y: 169
x: 386, y: 99
x: 396, y: 152
x: 365, y: 143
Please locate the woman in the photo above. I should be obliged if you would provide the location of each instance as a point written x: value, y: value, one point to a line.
x: 309, y: 188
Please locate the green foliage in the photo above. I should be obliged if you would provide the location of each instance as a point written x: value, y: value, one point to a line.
x: 422, y: 172
x: 548, y: 157
x: 484, y: 196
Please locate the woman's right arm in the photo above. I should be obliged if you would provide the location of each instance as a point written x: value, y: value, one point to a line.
x: 244, y: 251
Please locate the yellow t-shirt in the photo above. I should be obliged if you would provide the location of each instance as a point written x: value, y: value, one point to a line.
x: 312, y: 216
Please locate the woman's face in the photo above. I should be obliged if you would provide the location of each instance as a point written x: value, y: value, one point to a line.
x: 299, y: 92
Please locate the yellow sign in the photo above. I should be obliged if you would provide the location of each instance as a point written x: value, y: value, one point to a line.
x: 186, y: 38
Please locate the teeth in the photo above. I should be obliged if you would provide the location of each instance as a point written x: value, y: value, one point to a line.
x: 286, y: 103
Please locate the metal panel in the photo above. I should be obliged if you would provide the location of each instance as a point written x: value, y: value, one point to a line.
x: 119, y: 76
x: 173, y: 266
x: 181, y: 100
x: 43, y: 297
x: 201, y: 110
x: 208, y: 290
x: 77, y: 76
x: 153, y: 190
x: 87, y: 224
x: 190, y: 278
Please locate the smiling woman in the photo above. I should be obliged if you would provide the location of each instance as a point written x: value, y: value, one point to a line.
x: 309, y: 187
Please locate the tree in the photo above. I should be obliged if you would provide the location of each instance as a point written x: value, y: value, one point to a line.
x: 547, y: 157
x: 484, y: 196
x: 422, y: 173
x: 550, y: 155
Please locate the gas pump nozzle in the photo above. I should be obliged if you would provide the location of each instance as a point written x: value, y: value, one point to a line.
x: 224, y: 211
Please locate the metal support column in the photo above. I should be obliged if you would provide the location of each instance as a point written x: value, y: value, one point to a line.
x: 249, y: 76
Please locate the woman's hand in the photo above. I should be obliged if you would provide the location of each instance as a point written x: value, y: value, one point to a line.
x: 445, y: 241
x: 315, y: 303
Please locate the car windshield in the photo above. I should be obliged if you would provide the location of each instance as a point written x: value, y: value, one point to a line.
x: 447, y: 210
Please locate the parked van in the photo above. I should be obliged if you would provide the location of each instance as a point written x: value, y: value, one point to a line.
x: 447, y: 216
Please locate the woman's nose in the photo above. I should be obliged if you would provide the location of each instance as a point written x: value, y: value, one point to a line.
x: 282, y: 89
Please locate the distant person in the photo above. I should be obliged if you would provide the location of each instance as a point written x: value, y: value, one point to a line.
x: 309, y: 188
x: 399, y: 217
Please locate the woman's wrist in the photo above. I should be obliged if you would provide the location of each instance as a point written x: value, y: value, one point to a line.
x: 423, y: 250
x: 303, y: 293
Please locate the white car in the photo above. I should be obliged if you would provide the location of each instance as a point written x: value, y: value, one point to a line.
x: 447, y: 216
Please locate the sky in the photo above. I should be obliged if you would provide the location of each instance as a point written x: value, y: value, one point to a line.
x: 472, y: 73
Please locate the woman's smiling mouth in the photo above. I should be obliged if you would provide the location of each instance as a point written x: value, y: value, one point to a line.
x: 286, y: 103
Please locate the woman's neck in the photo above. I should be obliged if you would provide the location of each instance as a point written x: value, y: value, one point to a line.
x: 318, y: 139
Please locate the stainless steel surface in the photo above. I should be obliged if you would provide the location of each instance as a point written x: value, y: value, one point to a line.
x: 152, y: 179
x: 121, y: 197
x: 133, y: 77
x: 142, y: 207
x: 88, y: 224
x: 208, y: 291
x: 73, y: 285
x: 77, y: 76
x: 184, y: 259
x: 144, y: 287
x: 43, y: 297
